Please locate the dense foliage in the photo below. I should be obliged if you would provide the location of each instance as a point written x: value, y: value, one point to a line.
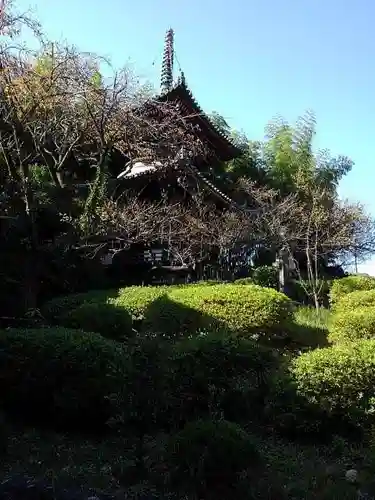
x: 107, y: 319
x: 245, y: 310
x: 220, y: 376
x: 352, y: 324
x: 351, y: 301
x: 350, y: 284
x: 207, y: 458
x: 339, y: 380
x: 57, y: 376
x: 59, y: 306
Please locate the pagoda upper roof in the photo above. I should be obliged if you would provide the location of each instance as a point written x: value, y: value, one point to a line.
x: 220, y: 144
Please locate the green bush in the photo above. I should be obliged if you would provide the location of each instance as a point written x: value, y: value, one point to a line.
x: 241, y: 310
x: 136, y: 299
x: 57, y: 376
x: 111, y: 321
x: 290, y: 414
x: 244, y: 281
x: 142, y: 407
x: 212, y: 375
x: 208, y: 457
x: 59, y: 306
x: 353, y: 324
x: 340, y: 380
x: 267, y: 276
x: 343, y: 286
x: 353, y: 300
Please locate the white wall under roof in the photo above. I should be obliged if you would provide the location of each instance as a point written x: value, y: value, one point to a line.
x: 138, y: 168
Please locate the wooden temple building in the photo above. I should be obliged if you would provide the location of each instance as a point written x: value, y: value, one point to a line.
x: 145, y: 180
x: 219, y: 147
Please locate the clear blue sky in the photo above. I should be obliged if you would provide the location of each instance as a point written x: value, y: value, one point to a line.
x: 249, y: 60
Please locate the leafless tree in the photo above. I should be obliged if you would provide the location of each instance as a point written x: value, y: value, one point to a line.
x: 316, y: 228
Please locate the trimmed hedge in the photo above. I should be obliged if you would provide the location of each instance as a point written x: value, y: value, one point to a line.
x: 211, y: 374
x: 353, y: 300
x: 267, y: 276
x: 167, y: 385
x: 351, y: 325
x: 111, y: 321
x: 137, y: 299
x: 208, y: 457
x: 59, y: 306
x: 244, y: 281
x: 57, y: 376
x: 176, y: 311
x: 240, y: 310
x: 339, y: 380
x: 341, y: 287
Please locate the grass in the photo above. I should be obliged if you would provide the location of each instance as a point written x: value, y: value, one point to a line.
x: 310, y: 327
x: 314, y: 318
x: 304, y: 472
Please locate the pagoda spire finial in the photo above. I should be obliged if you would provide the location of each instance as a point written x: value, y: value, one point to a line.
x: 166, y: 80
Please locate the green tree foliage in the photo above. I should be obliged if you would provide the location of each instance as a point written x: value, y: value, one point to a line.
x: 286, y: 160
x: 220, y: 123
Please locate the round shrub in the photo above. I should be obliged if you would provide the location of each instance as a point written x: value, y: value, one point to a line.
x: 142, y: 405
x: 290, y: 414
x: 59, y: 306
x: 111, y: 321
x: 353, y: 300
x: 267, y: 276
x: 343, y: 286
x: 339, y: 380
x: 353, y: 324
x: 211, y: 374
x: 241, y: 310
x: 137, y: 299
x: 57, y: 376
x: 208, y: 457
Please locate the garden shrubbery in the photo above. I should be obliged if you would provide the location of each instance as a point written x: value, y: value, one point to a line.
x: 343, y: 286
x: 266, y: 276
x: 302, y: 291
x: 208, y: 457
x: 353, y: 300
x: 179, y: 372
x: 53, y: 309
x: 220, y: 375
x: 137, y: 299
x: 348, y: 325
x: 57, y: 376
x: 196, y: 361
x: 178, y: 311
x: 241, y: 310
x: 339, y: 380
x: 111, y: 321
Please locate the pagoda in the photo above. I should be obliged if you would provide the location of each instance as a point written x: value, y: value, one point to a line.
x: 220, y: 148
x: 150, y: 181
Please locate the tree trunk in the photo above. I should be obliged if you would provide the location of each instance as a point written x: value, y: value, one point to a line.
x: 31, y: 286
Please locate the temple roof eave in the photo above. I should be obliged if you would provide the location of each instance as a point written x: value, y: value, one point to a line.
x: 181, y: 92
